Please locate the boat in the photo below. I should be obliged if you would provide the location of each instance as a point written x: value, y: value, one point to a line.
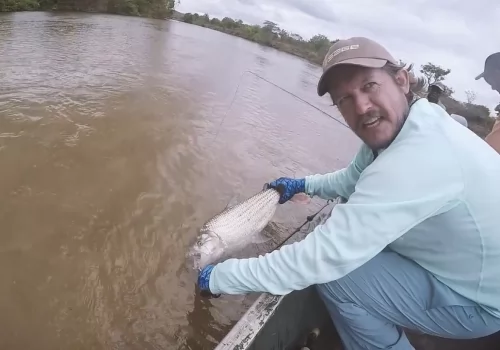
x: 300, y: 321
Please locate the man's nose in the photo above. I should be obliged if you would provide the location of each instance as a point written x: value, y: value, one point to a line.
x: 362, y: 104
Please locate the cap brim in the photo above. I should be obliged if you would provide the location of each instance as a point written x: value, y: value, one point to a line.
x: 480, y: 76
x: 363, y: 62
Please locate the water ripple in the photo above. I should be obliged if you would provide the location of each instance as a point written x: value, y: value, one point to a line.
x: 110, y: 164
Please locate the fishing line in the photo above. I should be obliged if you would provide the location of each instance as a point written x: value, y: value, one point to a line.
x: 297, y: 97
x: 277, y: 86
x: 309, y: 219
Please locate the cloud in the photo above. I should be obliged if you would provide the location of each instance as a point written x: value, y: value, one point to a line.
x: 320, y: 10
x: 455, y: 34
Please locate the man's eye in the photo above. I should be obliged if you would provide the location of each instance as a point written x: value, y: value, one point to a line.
x: 371, y: 85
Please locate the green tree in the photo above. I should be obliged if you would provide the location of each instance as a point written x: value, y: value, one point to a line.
x: 188, y: 18
x: 319, y: 42
x: 434, y: 73
x: 205, y: 18
x: 171, y: 6
x: 215, y: 22
x: 228, y: 22
x: 19, y: 5
x: 146, y: 8
x: 272, y: 27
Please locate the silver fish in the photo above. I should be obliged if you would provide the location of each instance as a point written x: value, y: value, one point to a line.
x: 234, y: 227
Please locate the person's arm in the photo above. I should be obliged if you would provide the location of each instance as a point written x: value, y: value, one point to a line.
x: 341, y: 182
x: 394, y: 194
x: 493, y: 138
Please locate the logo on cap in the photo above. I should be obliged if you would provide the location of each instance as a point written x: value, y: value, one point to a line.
x: 338, y: 51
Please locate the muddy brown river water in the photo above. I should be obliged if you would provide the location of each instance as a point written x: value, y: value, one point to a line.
x: 119, y: 137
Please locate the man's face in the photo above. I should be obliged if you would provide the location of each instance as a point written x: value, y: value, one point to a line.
x: 492, y: 77
x: 372, y: 102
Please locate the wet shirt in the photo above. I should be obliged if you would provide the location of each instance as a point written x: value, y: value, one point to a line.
x: 432, y: 196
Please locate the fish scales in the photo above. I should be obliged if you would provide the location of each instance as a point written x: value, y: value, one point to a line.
x: 235, y: 226
x: 250, y: 216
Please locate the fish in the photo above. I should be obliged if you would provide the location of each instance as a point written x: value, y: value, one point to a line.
x: 234, y: 227
x: 237, y: 226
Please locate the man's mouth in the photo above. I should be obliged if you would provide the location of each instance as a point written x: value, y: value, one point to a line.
x: 371, y: 122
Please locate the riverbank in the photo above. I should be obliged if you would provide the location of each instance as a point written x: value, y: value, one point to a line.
x: 269, y: 34
x: 161, y: 9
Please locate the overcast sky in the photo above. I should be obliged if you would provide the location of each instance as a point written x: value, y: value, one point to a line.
x: 455, y: 34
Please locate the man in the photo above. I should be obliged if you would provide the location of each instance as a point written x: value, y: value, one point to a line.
x: 492, y: 76
x: 436, y: 90
x: 417, y: 243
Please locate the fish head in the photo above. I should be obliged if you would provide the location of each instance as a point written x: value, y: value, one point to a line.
x: 208, y: 249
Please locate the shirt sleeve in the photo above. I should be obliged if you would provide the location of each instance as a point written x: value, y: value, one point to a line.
x: 396, y: 193
x: 341, y: 182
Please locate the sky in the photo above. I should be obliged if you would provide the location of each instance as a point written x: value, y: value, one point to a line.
x: 455, y: 34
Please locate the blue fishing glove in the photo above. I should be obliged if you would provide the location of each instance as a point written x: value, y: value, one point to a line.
x: 204, y: 277
x: 204, y: 282
x: 288, y: 187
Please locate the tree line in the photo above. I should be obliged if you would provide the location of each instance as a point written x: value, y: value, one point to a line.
x: 144, y: 8
x: 269, y: 34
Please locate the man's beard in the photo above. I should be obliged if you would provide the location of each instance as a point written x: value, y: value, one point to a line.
x: 400, y: 123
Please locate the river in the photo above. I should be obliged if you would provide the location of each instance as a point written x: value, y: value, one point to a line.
x: 119, y: 137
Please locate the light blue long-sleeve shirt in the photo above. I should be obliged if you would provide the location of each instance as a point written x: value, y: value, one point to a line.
x: 432, y: 196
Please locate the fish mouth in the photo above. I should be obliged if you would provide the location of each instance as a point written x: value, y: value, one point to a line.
x: 197, y: 258
x: 194, y: 259
x: 208, y: 248
x: 281, y: 189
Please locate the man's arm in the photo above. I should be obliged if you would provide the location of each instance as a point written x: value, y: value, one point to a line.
x: 493, y: 138
x: 392, y: 196
x: 341, y: 182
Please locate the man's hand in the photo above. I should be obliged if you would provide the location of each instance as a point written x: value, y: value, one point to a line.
x: 287, y: 187
x: 204, y: 282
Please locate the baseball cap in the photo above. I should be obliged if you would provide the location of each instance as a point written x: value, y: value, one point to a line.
x: 357, y: 51
x: 437, y: 85
x: 492, y: 62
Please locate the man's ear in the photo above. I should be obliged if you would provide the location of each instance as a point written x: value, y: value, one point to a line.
x: 403, y: 80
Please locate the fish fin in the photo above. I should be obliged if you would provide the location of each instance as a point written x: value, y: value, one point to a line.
x: 261, y: 237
